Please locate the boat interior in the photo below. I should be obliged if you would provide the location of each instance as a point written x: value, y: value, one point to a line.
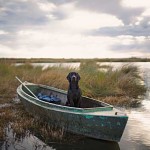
x: 57, y: 96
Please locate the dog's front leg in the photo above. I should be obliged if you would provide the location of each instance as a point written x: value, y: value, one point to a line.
x: 70, y: 100
x: 71, y: 103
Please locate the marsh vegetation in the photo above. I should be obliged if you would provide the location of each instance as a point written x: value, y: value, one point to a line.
x: 122, y: 86
x: 65, y: 60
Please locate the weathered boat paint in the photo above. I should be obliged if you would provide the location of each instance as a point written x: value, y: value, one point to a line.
x: 98, y: 122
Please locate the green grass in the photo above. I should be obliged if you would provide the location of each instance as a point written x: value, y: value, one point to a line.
x: 124, y: 81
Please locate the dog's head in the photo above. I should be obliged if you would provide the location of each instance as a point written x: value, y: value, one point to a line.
x: 73, y: 77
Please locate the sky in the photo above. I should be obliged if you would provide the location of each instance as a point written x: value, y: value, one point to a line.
x: 74, y: 28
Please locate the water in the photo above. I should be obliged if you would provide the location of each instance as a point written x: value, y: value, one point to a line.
x: 46, y: 65
x: 136, y: 135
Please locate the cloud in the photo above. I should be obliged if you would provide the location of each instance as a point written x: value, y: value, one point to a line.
x: 113, y: 7
x: 19, y: 14
x: 7, y: 39
x: 57, y: 28
x: 123, y: 30
x: 140, y: 45
x: 141, y: 29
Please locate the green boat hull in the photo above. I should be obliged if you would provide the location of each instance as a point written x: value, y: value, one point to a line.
x: 99, y: 122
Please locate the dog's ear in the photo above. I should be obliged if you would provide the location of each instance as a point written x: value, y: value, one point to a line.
x: 68, y: 77
x: 78, y: 77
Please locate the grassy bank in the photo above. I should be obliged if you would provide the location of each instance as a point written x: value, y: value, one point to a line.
x: 61, y: 60
x: 119, y: 87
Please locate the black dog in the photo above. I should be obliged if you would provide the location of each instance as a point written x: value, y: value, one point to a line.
x: 74, y: 92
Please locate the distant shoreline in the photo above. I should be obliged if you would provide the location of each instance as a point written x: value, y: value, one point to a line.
x: 53, y: 60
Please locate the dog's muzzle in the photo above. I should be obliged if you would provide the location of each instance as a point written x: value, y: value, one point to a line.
x: 73, y: 78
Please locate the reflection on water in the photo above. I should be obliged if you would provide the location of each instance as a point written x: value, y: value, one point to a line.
x: 27, y: 143
x: 136, y: 134
x: 23, y: 142
x: 31, y: 142
x: 46, y: 65
x: 88, y: 144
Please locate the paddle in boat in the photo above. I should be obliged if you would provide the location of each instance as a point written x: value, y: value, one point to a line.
x: 94, y: 119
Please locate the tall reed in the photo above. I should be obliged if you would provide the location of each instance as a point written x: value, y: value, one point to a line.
x: 125, y: 81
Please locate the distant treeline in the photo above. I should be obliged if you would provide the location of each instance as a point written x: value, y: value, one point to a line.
x: 53, y: 60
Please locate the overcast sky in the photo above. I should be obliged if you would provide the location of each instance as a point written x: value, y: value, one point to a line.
x: 75, y: 28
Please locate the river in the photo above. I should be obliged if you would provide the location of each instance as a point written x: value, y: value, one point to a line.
x: 136, y: 135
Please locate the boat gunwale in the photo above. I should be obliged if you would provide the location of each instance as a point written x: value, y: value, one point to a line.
x: 62, y: 107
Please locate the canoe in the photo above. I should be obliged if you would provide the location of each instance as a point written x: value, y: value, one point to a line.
x: 94, y: 118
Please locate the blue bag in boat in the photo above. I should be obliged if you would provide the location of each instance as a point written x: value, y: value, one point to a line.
x: 51, y: 99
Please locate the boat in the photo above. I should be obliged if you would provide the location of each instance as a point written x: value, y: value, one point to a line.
x: 94, y: 119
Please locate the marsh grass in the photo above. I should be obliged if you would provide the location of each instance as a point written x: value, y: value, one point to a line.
x: 117, y: 87
x: 33, y: 125
x: 5, y: 117
x: 22, y: 124
x: 124, y: 81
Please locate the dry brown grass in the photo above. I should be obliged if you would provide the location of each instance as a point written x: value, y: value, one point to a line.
x: 22, y: 123
x: 6, y: 116
x: 118, y: 101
